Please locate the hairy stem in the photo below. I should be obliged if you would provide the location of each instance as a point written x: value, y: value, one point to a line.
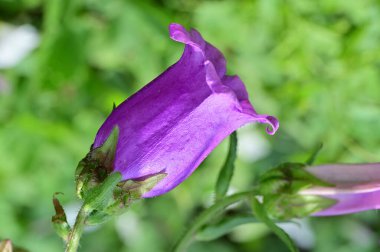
x: 76, y: 232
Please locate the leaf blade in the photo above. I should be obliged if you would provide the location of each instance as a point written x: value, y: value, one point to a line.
x: 226, y: 225
x: 260, y: 213
x: 226, y: 173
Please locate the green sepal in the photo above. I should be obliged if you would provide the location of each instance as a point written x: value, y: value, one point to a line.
x: 280, y: 189
x: 131, y: 190
x: 288, y: 206
x: 97, y: 217
x: 225, y: 174
x: 102, y: 190
x: 97, y: 165
x: 59, y: 220
x: 261, y: 214
x: 136, y: 188
x: 99, y: 197
x: 124, y: 193
x: 288, y: 178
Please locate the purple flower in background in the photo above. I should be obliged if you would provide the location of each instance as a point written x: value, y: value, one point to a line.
x: 355, y: 187
x: 175, y: 121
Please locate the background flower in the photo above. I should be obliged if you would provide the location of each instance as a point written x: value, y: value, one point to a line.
x: 355, y: 187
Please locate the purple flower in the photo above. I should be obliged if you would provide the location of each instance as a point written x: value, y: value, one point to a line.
x: 355, y: 187
x: 175, y: 121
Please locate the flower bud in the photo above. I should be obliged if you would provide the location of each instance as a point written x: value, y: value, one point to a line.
x: 355, y: 187
x: 280, y: 188
x: 297, y: 190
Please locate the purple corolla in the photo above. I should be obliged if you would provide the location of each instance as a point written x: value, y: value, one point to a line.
x: 175, y: 121
x: 355, y: 187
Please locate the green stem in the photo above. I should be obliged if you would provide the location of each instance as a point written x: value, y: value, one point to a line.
x: 76, y: 232
x: 205, y: 216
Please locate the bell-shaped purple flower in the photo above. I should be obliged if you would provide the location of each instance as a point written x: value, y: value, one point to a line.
x: 175, y: 121
x: 355, y: 187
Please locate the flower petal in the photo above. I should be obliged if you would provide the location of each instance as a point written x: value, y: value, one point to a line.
x: 348, y: 175
x: 356, y: 187
x: 175, y: 121
x: 195, y: 40
x: 352, y: 203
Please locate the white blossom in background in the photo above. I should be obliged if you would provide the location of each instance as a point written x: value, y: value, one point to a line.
x: 71, y: 211
x: 16, y: 43
x: 252, y: 146
x: 128, y: 228
x: 300, y: 232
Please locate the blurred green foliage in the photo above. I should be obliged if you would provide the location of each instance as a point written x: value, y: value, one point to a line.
x: 313, y: 64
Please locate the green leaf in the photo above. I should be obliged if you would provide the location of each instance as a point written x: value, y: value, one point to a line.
x: 225, y: 174
x: 314, y: 154
x: 206, y: 216
x: 261, y: 215
x: 214, y: 231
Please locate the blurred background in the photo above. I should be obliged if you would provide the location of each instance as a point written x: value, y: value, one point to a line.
x: 313, y: 64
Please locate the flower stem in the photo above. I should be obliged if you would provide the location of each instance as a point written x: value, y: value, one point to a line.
x: 205, y: 216
x: 76, y: 232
